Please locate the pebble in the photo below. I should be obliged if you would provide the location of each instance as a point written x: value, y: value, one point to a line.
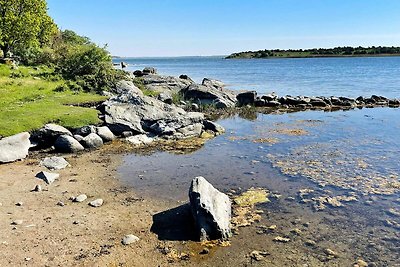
x: 75, y: 222
x: 272, y: 227
x: 310, y: 243
x: 296, y: 231
x: 129, y: 239
x: 27, y: 259
x: 17, y: 222
x: 96, y: 203
x: 37, y: 188
x: 205, y: 251
x: 80, y: 198
x: 281, y: 239
x: 60, y: 203
x: 19, y: 204
x: 331, y: 253
x: 258, y: 255
x: 361, y: 263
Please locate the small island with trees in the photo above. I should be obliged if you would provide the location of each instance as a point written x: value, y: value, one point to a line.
x: 345, y: 51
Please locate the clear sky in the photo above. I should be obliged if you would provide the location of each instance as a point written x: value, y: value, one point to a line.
x: 220, y: 27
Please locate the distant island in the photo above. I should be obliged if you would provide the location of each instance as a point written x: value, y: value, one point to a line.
x: 345, y: 51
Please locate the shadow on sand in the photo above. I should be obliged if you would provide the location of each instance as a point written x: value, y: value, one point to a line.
x: 176, y: 224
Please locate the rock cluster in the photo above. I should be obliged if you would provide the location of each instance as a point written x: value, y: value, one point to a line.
x: 306, y: 102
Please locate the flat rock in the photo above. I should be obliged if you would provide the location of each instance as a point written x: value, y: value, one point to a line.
x: 80, y: 198
x: 206, y: 95
x: 96, y: 203
x: 67, y: 144
x: 54, y: 163
x: 211, y: 210
x: 14, y: 148
x: 48, y: 177
x: 92, y: 141
x: 140, y: 139
x: 165, y: 84
x: 129, y: 239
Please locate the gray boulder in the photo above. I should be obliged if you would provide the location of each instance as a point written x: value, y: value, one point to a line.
x: 67, y: 144
x: 140, y: 139
x: 48, y: 177
x: 211, y: 210
x: 165, y: 97
x: 246, y: 98
x: 14, y: 147
x: 92, y: 141
x: 46, y: 136
x: 85, y: 130
x: 213, y: 83
x: 209, y: 95
x: 54, y: 163
x: 143, y: 114
x: 105, y: 133
x: 124, y: 87
x: 149, y: 70
x: 165, y: 84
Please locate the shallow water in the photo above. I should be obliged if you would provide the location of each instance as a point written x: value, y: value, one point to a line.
x: 344, y: 153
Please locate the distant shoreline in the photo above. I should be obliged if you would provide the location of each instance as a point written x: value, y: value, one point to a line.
x: 317, y: 56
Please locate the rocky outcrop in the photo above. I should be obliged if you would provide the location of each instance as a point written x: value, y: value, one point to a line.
x: 67, y: 144
x: 124, y: 87
x: 165, y: 84
x: 213, y: 83
x: 211, y: 210
x: 209, y: 95
x: 14, y: 147
x: 142, y: 114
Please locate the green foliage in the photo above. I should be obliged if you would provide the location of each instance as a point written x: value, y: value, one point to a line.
x: 318, y: 52
x: 24, y: 25
x: 27, y: 103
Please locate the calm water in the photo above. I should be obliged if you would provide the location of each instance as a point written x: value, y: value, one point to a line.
x: 350, y: 77
x: 342, y: 153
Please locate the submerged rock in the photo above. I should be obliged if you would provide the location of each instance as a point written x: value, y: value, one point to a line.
x: 14, y: 148
x: 211, y: 210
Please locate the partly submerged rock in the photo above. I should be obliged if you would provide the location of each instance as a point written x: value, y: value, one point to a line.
x: 67, y: 144
x: 48, y: 177
x: 211, y: 210
x: 246, y: 98
x: 54, y: 163
x: 14, y: 147
x: 213, y: 126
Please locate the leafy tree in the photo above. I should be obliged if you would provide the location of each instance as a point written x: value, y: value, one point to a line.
x: 24, y: 24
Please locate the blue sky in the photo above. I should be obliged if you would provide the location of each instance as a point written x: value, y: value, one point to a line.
x: 219, y: 27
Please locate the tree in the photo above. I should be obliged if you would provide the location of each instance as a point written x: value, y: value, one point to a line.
x: 24, y: 24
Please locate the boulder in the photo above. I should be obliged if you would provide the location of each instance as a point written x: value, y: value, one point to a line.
x: 212, y: 126
x: 165, y: 84
x: 85, y: 130
x: 270, y: 97
x: 149, y: 70
x: 105, y: 133
x: 209, y: 95
x: 92, y: 141
x: 143, y: 114
x: 138, y: 73
x: 67, y: 144
x: 272, y: 104
x: 54, y: 163
x: 246, y: 98
x: 14, y: 148
x: 124, y: 87
x: 48, y: 177
x: 46, y: 136
x: 211, y: 210
x: 213, y: 83
x: 259, y: 102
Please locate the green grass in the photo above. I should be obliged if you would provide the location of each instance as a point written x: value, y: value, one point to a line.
x: 28, y: 100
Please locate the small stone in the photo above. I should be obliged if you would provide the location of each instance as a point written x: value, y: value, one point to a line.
x: 38, y: 188
x: 205, y: 251
x: 361, y: 263
x: 27, y: 259
x: 129, y: 239
x: 60, y: 203
x: 272, y: 227
x: 48, y: 177
x: 296, y: 231
x: 75, y: 222
x: 310, y: 243
x: 258, y: 255
x: 19, y: 204
x: 17, y: 222
x: 54, y: 163
x: 281, y: 239
x: 96, y: 203
x: 80, y: 198
x: 331, y: 253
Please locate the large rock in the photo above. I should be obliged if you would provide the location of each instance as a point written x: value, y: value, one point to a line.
x: 67, y: 144
x: 48, y: 177
x: 213, y: 83
x: 246, y: 98
x: 213, y: 126
x: 140, y: 139
x: 143, y: 114
x: 14, y: 147
x: 105, y: 133
x: 208, y: 95
x: 165, y: 84
x: 92, y: 141
x: 211, y: 210
x: 85, y: 130
x: 46, y: 136
x: 124, y: 87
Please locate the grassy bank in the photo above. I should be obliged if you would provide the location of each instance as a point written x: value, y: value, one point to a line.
x: 32, y: 97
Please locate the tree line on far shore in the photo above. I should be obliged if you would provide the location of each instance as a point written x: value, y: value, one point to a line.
x: 319, y: 52
x: 28, y: 35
